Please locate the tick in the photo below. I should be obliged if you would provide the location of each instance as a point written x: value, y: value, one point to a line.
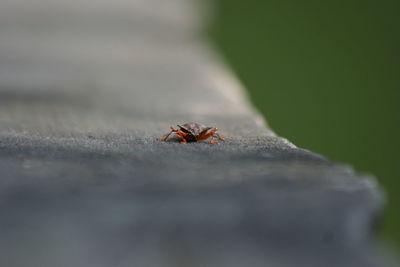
x: 193, y: 132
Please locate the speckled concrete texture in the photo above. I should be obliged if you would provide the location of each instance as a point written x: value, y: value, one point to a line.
x: 86, y: 87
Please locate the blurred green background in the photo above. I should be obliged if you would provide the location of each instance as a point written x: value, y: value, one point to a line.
x: 326, y: 76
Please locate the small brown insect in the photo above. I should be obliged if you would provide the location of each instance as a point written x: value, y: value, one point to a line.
x: 193, y: 132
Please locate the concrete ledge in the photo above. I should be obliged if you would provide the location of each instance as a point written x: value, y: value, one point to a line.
x: 85, y: 88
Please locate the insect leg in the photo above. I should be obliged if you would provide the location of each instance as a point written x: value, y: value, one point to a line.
x: 220, y: 137
x: 181, y: 136
x: 212, y: 141
x: 167, y: 135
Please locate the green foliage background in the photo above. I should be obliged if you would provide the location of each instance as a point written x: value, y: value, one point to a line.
x: 326, y: 76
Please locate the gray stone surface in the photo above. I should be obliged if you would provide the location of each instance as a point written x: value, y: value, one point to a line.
x: 87, y: 86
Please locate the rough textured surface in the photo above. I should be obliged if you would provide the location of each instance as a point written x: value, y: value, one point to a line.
x: 86, y: 87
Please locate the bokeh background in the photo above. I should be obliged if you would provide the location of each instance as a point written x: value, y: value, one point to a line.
x: 326, y: 76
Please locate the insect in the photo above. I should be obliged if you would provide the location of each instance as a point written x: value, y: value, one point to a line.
x: 193, y: 132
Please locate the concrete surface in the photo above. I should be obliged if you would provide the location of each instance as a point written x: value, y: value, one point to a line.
x: 87, y: 86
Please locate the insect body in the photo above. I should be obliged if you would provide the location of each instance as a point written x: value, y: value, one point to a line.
x: 193, y: 132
